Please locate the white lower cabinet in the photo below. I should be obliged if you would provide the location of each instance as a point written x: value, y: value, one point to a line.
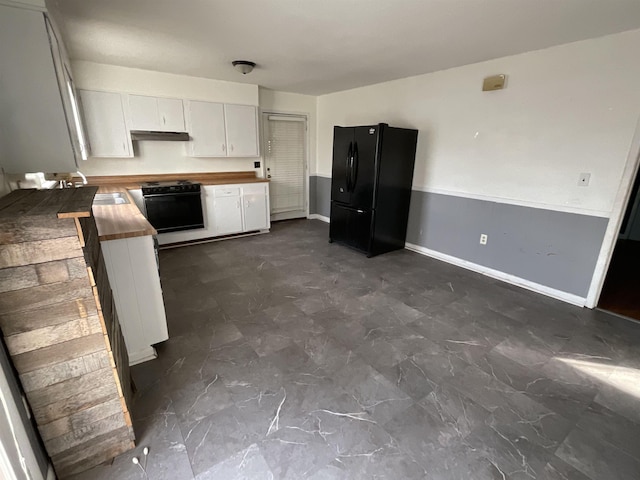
x: 133, y: 275
x: 255, y: 207
x: 228, y: 209
x: 227, y: 213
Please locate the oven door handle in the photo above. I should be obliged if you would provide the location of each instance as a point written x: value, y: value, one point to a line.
x: 173, y: 194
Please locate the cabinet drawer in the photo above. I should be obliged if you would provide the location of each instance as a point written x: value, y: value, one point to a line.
x: 227, y: 192
x: 253, y: 188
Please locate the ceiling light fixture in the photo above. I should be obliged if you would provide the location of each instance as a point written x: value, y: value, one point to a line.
x: 243, y: 66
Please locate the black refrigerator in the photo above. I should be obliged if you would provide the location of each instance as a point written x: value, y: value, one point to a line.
x: 371, y: 186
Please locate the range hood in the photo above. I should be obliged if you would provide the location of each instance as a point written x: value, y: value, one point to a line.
x: 159, y: 136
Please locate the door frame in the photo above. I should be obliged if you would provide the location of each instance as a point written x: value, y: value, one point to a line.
x: 622, y: 199
x: 305, y: 173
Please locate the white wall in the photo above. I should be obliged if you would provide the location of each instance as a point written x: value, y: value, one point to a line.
x: 283, y: 102
x: 565, y: 110
x: 161, y: 157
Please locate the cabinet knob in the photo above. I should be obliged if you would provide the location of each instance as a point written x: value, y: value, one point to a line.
x: 232, y: 147
x: 224, y: 147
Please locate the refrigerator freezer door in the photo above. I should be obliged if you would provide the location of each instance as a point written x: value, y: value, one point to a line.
x: 364, y: 164
x: 342, y: 158
x: 351, y: 227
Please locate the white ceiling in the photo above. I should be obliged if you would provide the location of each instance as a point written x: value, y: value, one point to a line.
x: 322, y: 46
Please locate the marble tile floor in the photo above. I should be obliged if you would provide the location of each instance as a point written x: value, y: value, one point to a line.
x: 293, y: 358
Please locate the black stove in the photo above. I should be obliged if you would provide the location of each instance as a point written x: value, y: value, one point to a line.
x: 178, y: 186
x: 173, y: 206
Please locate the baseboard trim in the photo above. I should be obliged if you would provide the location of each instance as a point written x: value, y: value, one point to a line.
x: 316, y: 216
x: 142, y: 356
x: 498, y: 275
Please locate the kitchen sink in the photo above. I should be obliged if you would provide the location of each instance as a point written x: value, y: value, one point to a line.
x: 116, y: 198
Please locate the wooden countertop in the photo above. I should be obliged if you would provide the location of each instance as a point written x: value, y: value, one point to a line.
x: 125, y: 221
x: 60, y: 203
x: 120, y: 221
x: 213, y: 178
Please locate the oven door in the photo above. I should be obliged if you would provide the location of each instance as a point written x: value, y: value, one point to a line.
x: 172, y: 212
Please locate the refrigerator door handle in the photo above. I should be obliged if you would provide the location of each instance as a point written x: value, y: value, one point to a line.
x: 348, y: 165
x: 354, y: 166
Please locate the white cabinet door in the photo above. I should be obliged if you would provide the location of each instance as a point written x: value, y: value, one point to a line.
x: 227, y: 215
x: 205, y: 124
x: 242, y: 130
x: 143, y: 113
x: 106, y: 128
x: 171, y: 114
x: 255, y: 206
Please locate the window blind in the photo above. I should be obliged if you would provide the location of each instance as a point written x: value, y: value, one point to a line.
x: 285, y: 156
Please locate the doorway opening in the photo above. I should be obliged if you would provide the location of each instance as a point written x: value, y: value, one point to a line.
x: 621, y: 290
x: 285, y: 158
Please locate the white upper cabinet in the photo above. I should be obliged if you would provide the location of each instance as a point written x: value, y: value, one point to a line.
x: 171, y: 114
x: 156, y: 114
x: 38, y: 130
x: 205, y: 124
x: 242, y: 130
x: 105, y: 123
x: 220, y: 130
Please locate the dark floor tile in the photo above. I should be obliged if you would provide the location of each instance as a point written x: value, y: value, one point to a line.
x: 610, y: 427
x: 215, y: 438
x: 198, y: 400
x: 246, y: 464
x: 290, y: 357
x: 597, y: 459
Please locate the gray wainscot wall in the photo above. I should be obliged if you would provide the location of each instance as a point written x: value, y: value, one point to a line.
x: 556, y: 249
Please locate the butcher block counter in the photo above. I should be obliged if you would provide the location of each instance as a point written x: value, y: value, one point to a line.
x: 116, y: 222
x: 208, y: 178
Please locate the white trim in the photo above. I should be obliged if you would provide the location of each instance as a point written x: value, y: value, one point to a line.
x: 513, y: 201
x: 508, y: 201
x: 611, y: 234
x: 505, y: 277
x: 276, y: 217
x: 141, y: 356
x: 316, y: 216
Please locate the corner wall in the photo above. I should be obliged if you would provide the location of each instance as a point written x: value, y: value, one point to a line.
x: 506, y: 163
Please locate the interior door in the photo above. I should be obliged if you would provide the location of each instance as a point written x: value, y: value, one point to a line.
x: 342, y: 156
x: 285, y: 164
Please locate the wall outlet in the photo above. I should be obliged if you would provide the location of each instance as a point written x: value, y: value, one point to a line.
x: 483, y: 239
x: 583, y: 179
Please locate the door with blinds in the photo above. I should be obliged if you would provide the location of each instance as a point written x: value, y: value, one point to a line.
x: 285, y: 160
